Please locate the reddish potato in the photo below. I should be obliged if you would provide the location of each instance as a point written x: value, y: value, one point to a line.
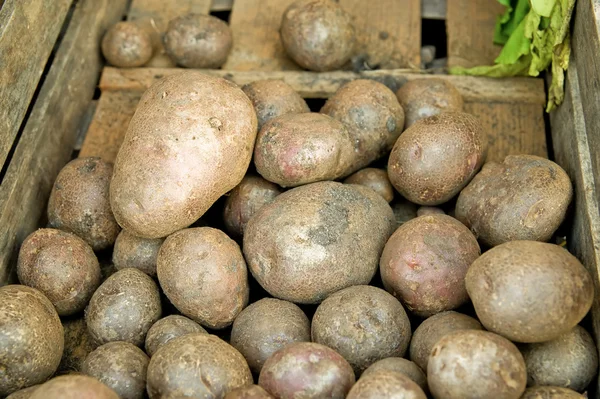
x: 400, y: 365
x: 167, y: 328
x: 127, y: 44
x: 386, y: 384
x: 249, y: 392
x: 74, y: 387
x: 137, y: 252
x: 422, y: 98
x: 376, y: 179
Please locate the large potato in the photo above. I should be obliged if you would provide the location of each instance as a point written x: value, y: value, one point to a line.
x: 317, y: 239
x: 249, y: 392
x: 74, y: 387
x: 548, y: 392
x: 189, y: 142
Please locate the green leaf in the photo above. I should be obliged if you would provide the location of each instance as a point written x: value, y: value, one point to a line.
x: 519, y: 68
x: 516, y: 46
x: 543, y: 7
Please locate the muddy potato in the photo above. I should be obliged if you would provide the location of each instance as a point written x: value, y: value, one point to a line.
x: 422, y: 98
x: 548, y: 392
x: 24, y: 393
x: 74, y: 387
x: 318, y: 34
x: 343, y: 319
x: 185, y: 151
x: 203, y: 273
x: 303, y: 246
x: 32, y: 338
x: 404, y: 211
x: 126, y: 45
x: 123, y: 308
x: 523, y: 198
x: 400, y: 365
x: 425, y: 261
x: 476, y: 364
x: 266, y: 326
x: 244, y: 200
x: 429, y: 210
x: 529, y: 291
x: 136, y: 252
x: 435, y: 328
x: 196, y: 365
x: 296, y: 149
x: 168, y: 328
x: 306, y: 370
x: 436, y: 157
x: 273, y: 98
x: 62, y: 266
x: 375, y: 179
x: 249, y: 392
x: 386, y: 384
x: 78, y: 344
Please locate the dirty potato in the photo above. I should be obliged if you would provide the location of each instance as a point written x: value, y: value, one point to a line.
x: 126, y: 44
x: 375, y: 179
x: 422, y: 98
x: 137, y: 252
x: 400, y: 365
x: 168, y: 328
x: 386, y: 384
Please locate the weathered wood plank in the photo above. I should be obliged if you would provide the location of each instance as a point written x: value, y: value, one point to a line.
x: 433, y: 9
x: 221, y: 5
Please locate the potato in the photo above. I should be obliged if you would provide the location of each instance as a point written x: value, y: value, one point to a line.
x: 523, y: 198
x: 168, y: 328
x: 435, y: 328
x: 78, y: 344
x: 296, y: 149
x: 569, y: 361
x: 317, y: 239
x: 476, y: 364
x: 137, y: 252
x: 400, y: 365
x: 422, y: 98
x: 306, y: 370
x: 273, y: 98
x: 244, y: 200
x: 386, y: 384
x: 182, y: 151
x: 74, y: 387
x: 375, y: 179
x: 363, y: 324
x: 372, y: 115
x: 404, y: 211
x: 266, y: 326
x: 429, y: 210
x: 203, y: 273
x: 31, y: 341
x: 249, y: 392
x: 62, y: 266
x: 436, y: 157
x: 24, y: 393
x: 529, y: 291
x: 126, y: 45
x: 551, y: 393
x: 318, y: 34
x: 123, y: 308
x: 196, y: 365
x: 198, y: 41
x: 425, y: 261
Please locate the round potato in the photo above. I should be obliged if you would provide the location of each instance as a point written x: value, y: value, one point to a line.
x: 198, y: 41
x: 203, y: 273
x: 524, y: 198
x: 476, y: 364
x: 307, y: 370
x: 123, y: 308
x: 342, y: 320
x: 429, y: 210
x: 436, y: 157
x: 127, y: 45
x: 74, y: 387
x: 78, y: 345
x: 137, y: 252
x: 400, y: 365
x: 168, y: 328
x: 425, y: 261
x: 386, y: 384
x: 422, y: 98
x: 303, y: 246
x: 24, y: 393
x: 185, y: 151
x: 551, y: 393
x: 318, y: 34
x: 266, y: 326
x: 196, y: 365
x: 375, y: 179
x: 529, y: 291
x: 249, y: 392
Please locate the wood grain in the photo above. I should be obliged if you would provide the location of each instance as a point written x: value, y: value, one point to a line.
x: 433, y: 9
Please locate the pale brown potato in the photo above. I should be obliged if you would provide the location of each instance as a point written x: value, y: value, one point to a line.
x: 24, y: 393
x: 375, y: 179
x: 386, y: 384
x: 74, y: 387
x: 126, y: 45
x: 137, y: 252
x: 400, y: 365
x: 548, y: 392
x: 429, y: 210
x: 168, y: 328
x: 249, y: 392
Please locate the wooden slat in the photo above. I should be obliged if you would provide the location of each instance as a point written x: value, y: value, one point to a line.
x: 36, y: 23
x: 50, y: 132
x: 433, y: 9
x: 221, y: 5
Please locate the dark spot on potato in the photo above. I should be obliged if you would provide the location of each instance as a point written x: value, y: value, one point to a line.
x: 384, y: 35
x: 391, y: 124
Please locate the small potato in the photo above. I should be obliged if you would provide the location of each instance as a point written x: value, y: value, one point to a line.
x: 127, y: 45
x: 435, y: 328
x: 136, y: 252
x: 386, y: 384
x: 376, y: 179
x: 429, y: 210
x: 400, y: 365
x: 476, y: 364
x: 436, y: 157
x: 425, y: 261
x: 24, y: 393
x: 123, y: 308
x: 168, y: 328
x: 249, y: 392
x: 196, y: 365
x: 306, y: 370
x: 404, y: 211
x: 244, y: 200
x: 551, y: 393
x: 198, y: 41
x: 266, y: 326
x: 203, y: 273
x: 524, y: 198
x: 318, y: 34
x: 529, y: 291
x: 296, y: 149
x: 74, y: 387
x: 78, y: 345
x: 342, y: 320
x: 273, y: 98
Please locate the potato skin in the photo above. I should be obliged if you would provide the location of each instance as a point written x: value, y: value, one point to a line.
x: 302, y: 247
x: 137, y: 252
x: 24, y: 393
x: 74, y: 387
x: 62, y: 266
x: 429, y: 210
x: 529, y: 291
x: 524, y: 198
x: 32, y: 338
x: 476, y: 364
x: 436, y: 157
x: 375, y: 179
x: 363, y: 324
x: 548, y: 392
x: 307, y: 370
x: 185, y: 151
x: 425, y: 261
x: 386, y: 384
x: 249, y: 392
x: 403, y: 211
x: 266, y: 326
x: 400, y: 365
x: 422, y: 98
x: 127, y: 45
x: 196, y: 365
x: 78, y: 344
x: 318, y: 34
x: 203, y: 273
x: 296, y: 149
x: 168, y: 328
